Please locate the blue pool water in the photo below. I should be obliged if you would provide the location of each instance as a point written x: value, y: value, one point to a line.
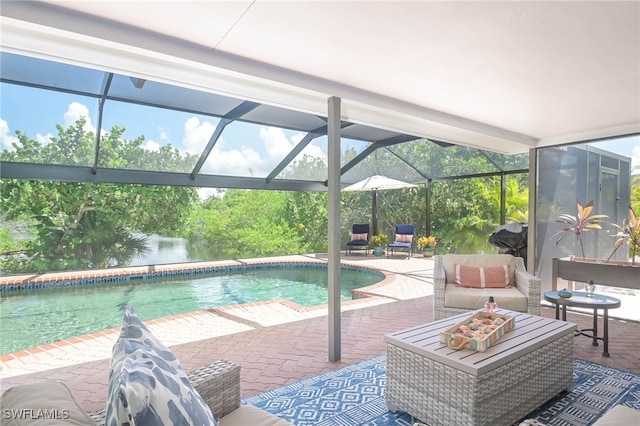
x: 31, y: 318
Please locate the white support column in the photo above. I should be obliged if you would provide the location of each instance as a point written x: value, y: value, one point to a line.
x: 533, y: 201
x: 333, y: 135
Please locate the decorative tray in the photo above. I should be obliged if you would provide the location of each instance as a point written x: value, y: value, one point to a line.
x: 478, y: 332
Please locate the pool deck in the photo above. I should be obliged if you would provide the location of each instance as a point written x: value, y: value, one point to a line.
x: 278, y: 342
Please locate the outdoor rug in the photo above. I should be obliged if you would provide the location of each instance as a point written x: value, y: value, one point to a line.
x: 354, y: 396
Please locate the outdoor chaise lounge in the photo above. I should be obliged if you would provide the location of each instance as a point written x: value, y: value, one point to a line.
x: 360, y: 234
x: 464, y: 282
x: 403, y: 239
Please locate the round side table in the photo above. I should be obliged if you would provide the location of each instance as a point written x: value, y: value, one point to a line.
x: 580, y: 300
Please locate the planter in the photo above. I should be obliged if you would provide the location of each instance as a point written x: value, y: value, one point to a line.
x: 428, y: 252
x: 612, y: 273
x: 378, y: 251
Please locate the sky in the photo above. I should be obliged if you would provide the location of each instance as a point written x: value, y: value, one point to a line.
x: 255, y: 150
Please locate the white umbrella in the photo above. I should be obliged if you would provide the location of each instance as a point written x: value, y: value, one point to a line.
x: 374, y: 184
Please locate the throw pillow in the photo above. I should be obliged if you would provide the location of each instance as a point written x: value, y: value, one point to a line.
x: 482, y: 277
x: 404, y: 238
x: 359, y: 237
x: 147, y: 384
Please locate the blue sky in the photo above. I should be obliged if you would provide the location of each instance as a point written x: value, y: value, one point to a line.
x: 255, y: 151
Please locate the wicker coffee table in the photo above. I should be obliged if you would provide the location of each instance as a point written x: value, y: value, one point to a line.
x: 525, y: 368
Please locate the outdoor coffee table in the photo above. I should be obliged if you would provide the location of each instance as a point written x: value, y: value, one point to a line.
x: 440, y: 386
x: 580, y: 300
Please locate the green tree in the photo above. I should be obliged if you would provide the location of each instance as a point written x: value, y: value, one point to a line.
x: 86, y: 224
x: 248, y: 224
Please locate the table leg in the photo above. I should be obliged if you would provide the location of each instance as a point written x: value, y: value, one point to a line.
x: 557, y: 311
x: 595, y: 327
x: 606, y: 333
x: 564, y: 312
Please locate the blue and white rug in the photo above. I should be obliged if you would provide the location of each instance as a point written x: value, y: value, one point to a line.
x: 354, y: 396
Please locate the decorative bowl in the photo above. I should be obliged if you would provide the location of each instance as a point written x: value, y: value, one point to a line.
x: 564, y: 293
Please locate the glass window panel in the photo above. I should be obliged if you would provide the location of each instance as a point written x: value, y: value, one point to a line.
x: 141, y: 137
x: 382, y: 162
x: 310, y: 163
x: 36, y: 113
x: 252, y: 150
x: 175, y: 97
x: 42, y: 73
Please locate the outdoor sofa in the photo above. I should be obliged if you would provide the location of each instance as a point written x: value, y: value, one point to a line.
x: 147, y: 386
x: 217, y: 383
x: 520, y: 292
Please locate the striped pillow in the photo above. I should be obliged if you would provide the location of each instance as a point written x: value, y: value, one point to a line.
x: 359, y: 237
x: 482, y: 277
x: 404, y: 238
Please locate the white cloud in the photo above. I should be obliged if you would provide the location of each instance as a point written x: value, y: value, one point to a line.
x: 244, y: 160
x: 44, y: 139
x: 205, y: 193
x: 75, y: 110
x: 196, y: 135
x: 6, y: 140
x: 151, y: 145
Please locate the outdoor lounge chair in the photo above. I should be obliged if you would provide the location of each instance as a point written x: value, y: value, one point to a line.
x: 520, y: 291
x: 360, y: 234
x: 403, y: 239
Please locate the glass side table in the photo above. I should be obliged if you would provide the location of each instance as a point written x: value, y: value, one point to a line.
x: 580, y: 300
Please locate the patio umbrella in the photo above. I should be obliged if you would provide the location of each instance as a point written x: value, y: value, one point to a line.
x: 375, y: 184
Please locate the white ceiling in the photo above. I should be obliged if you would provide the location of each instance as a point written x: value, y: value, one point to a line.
x: 505, y: 76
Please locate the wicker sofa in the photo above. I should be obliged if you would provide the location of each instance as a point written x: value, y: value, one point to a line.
x: 218, y: 383
x: 449, y: 299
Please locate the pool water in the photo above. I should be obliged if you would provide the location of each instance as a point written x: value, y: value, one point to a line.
x: 31, y: 318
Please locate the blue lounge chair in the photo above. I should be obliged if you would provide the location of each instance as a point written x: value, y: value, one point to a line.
x: 360, y: 234
x: 403, y: 239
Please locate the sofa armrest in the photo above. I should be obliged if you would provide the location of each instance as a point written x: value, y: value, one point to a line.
x: 217, y: 383
x: 529, y: 285
x: 439, y: 286
x: 219, y: 386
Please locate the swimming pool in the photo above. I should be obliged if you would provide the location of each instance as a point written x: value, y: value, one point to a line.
x: 35, y: 317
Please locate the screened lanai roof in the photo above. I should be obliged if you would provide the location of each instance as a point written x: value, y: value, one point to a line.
x: 367, y: 150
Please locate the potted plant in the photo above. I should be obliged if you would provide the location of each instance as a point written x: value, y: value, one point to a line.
x: 628, y: 233
x: 606, y: 272
x: 378, y: 242
x: 583, y: 222
x: 427, y: 245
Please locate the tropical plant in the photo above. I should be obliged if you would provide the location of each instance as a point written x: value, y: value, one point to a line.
x: 379, y: 240
x: 427, y: 242
x: 629, y: 233
x: 578, y: 225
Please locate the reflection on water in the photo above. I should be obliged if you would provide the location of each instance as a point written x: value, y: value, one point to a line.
x: 165, y: 250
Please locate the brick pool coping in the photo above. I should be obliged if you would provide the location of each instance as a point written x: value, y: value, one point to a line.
x: 101, y: 277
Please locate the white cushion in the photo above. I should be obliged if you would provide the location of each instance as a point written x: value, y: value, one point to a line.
x: 147, y: 384
x: 619, y: 416
x: 49, y: 404
x: 248, y: 415
x: 475, y: 298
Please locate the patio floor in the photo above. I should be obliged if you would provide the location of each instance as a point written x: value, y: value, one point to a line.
x: 275, y: 346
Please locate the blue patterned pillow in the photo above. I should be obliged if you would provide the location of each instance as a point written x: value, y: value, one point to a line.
x: 147, y: 384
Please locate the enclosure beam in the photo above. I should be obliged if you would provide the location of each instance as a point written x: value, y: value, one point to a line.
x: 503, y: 198
x: 333, y: 154
x: 532, y: 259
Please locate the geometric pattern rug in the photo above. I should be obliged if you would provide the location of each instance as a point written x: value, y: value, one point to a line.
x: 354, y: 396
